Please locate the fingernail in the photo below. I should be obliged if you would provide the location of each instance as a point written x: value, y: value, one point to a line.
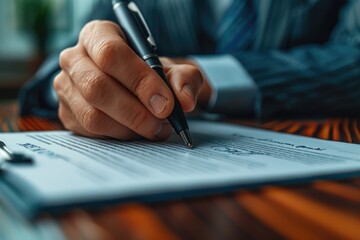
x: 158, y: 103
x: 188, y: 91
x: 164, y: 130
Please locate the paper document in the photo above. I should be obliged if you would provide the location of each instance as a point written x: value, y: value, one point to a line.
x: 70, y: 169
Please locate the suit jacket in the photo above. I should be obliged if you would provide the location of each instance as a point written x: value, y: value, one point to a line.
x: 305, y: 58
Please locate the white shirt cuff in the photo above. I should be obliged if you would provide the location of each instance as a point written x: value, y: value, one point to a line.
x: 233, y: 89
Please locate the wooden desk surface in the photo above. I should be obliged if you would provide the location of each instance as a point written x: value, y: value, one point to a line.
x: 318, y: 210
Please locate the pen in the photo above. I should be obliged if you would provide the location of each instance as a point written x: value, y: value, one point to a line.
x: 7, y: 156
x: 142, y: 42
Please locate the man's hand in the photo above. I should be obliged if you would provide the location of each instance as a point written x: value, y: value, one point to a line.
x: 106, y: 90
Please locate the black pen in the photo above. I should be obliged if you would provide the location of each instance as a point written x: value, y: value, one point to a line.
x: 142, y: 42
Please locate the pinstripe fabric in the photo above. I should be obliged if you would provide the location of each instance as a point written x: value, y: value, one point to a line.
x: 174, y: 25
x: 237, y: 27
x: 330, y: 87
x: 313, y: 79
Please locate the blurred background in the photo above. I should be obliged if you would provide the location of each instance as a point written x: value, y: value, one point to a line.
x: 29, y: 31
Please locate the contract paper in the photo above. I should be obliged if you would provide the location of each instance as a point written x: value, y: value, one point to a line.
x: 72, y: 169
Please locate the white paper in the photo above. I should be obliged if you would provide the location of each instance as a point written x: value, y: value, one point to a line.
x: 70, y: 169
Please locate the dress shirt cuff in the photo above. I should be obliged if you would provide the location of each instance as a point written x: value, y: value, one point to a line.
x: 233, y: 89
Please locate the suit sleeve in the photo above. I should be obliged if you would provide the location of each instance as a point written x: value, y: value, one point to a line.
x: 311, y: 80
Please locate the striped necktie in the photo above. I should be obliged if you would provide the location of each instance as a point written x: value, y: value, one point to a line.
x: 237, y: 28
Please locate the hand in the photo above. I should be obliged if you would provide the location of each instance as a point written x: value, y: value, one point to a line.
x: 106, y: 90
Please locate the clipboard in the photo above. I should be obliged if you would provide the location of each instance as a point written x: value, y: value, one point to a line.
x: 28, y: 205
x: 59, y: 180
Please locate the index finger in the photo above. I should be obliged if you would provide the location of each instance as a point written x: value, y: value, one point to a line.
x: 104, y: 43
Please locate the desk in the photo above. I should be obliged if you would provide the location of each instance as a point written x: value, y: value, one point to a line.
x: 322, y: 209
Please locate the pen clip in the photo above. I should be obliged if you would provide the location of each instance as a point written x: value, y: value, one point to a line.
x: 134, y: 8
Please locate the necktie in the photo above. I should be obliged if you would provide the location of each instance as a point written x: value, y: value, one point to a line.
x: 237, y: 28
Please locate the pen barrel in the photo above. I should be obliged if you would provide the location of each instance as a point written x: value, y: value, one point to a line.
x: 177, y: 117
x: 135, y: 31
x: 140, y: 40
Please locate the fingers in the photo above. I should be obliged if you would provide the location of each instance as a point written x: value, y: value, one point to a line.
x: 110, y: 97
x: 70, y: 123
x: 104, y: 43
x: 106, y: 90
x: 82, y: 118
x: 186, y: 81
x: 77, y: 118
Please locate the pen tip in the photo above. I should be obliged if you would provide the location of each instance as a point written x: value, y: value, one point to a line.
x: 185, y: 135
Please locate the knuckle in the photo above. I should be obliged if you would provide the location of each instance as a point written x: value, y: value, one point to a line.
x: 57, y: 84
x: 91, y: 120
x: 95, y: 25
x: 138, y: 84
x: 138, y: 119
x: 110, y: 24
x: 94, y: 89
x: 89, y: 27
x: 62, y: 88
x: 61, y: 114
x: 65, y: 122
x: 64, y: 117
x: 195, y: 72
x: 106, y: 52
x: 96, y: 30
x: 71, y: 125
x: 66, y: 56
